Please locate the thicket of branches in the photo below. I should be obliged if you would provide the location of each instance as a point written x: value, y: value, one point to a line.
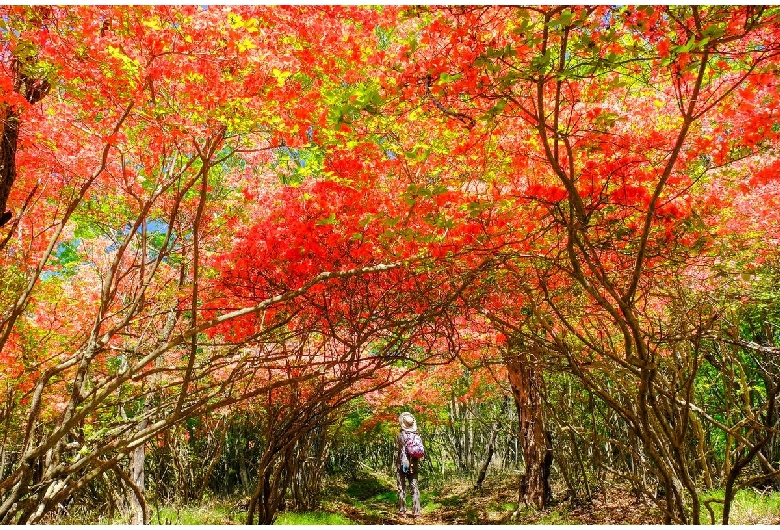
x: 236, y: 242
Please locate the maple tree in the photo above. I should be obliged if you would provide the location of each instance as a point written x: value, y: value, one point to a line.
x: 155, y: 168
x: 286, y: 208
x: 148, y: 166
x: 613, y: 126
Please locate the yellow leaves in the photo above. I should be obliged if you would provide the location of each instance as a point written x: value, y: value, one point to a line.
x: 281, y: 77
x: 628, y: 41
x: 195, y: 77
x: 251, y: 25
x: 153, y: 23
x: 533, y: 142
x: 130, y: 66
x: 234, y: 116
x: 113, y: 51
x: 237, y: 22
x: 246, y: 44
x: 415, y: 114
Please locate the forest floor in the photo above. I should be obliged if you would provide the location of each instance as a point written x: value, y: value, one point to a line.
x: 371, y: 499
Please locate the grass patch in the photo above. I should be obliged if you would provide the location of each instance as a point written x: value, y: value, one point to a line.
x: 429, y: 501
x: 748, y: 507
x: 211, y: 512
x: 370, y: 509
x: 455, y: 500
x: 366, y: 487
x: 555, y: 517
x: 312, y: 518
x: 208, y: 514
x: 430, y: 507
x: 387, y: 496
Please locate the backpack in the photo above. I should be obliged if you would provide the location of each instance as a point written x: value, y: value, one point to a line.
x: 413, y: 445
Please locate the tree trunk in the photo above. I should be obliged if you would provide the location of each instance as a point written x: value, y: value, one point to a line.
x: 33, y: 90
x: 9, y: 133
x: 243, y: 474
x: 525, y: 380
x: 138, y: 511
x: 491, y: 445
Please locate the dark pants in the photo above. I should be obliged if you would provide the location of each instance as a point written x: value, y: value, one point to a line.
x: 402, y: 479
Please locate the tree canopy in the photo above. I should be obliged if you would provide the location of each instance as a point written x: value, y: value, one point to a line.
x: 208, y: 210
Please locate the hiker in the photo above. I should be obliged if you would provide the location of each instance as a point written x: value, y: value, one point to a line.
x: 409, y: 452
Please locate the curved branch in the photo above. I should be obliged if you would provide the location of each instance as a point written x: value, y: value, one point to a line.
x: 463, y: 118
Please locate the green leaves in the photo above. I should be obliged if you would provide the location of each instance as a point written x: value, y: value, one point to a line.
x: 477, y: 208
x: 347, y: 102
x: 414, y: 191
x: 686, y: 47
x: 713, y: 32
x: 330, y: 220
x: 445, y: 77
x: 296, y: 165
x: 384, y: 37
x: 541, y: 63
x: 67, y: 253
x: 562, y: 20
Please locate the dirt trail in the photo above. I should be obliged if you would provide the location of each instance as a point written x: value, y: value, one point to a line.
x: 388, y: 517
x: 372, y: 501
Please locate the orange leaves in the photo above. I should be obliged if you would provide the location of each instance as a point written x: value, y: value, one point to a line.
x: 631, y: 195
x: 443, y: 139
x: 549, y: 194
x: 315, y: 228
x: 663, y: 48
x: 769, y: 173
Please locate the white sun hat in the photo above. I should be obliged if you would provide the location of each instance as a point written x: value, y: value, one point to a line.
x: 407, y: 421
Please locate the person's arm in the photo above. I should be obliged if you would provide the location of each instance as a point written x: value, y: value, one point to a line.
x: 399, y: 450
